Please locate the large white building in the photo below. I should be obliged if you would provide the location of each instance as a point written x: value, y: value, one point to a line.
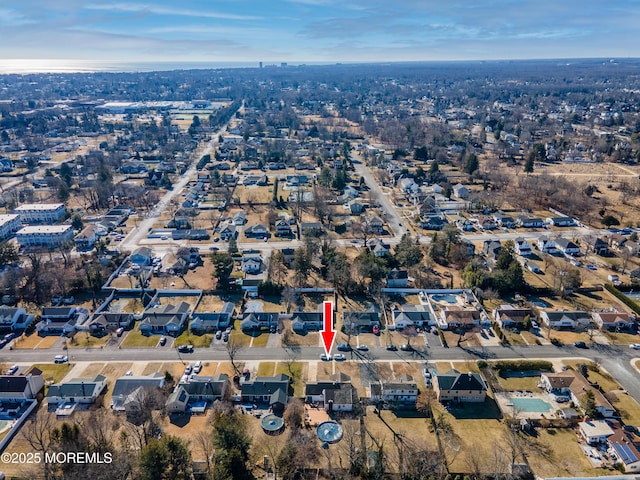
x: 9, y: 224
x: 40, y: 212
x: 44, y: 235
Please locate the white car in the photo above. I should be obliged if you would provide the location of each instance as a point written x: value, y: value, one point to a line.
x: 363, y: 348
x: 635, y: 346
x: 339, y: 357
x: 13, y: 369
x: 197, y: 367
x: 325, y: 358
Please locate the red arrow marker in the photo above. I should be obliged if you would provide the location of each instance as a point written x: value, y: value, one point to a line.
x: 328, y: 333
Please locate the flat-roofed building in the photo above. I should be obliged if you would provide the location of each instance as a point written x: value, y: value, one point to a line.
x: 40, y: 212
x: 9, y: 224
x: 44, y: 235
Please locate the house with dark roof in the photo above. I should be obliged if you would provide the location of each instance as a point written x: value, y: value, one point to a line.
x: 190, y: 395
x: 13, y: 319
x: 77, y: 390
x: 259, y: 321
x: 110, y: 322
x: 454, y: 316
x: 413, y: 315
x: 303, y: 322
x: 623, y: 445
x: 454, y: 386
x: 597, y: 245
x: 274, y: 391
x: 508, y: 316
x: 141, y: 256
x: 397, y: 278
x: 334, y: 395
x: 57, y: 320
x: 127, y: 390
x: 17, y: 388
x: 228, y: 231
x: 529, y: 222
x: 206, y: 322
x: 164, y: 319
x: 567, y: 246
x: 561, y: 221
x: 360, y: 322
x: 311, y: 228
x: 403, y: 391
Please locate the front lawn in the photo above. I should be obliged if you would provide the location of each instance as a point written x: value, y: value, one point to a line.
x: 136, y: 339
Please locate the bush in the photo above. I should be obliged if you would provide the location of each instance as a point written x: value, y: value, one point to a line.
x: 482, y: 364
x: 442, y: 339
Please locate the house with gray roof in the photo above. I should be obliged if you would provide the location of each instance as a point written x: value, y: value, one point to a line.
x: 274, y: 391
x: 413, y: 316
x: 12, y: 319
x: 206, y: 322
x: 335, y: 395
x: 165, y: 319
x: 259, y: 321
x: 141, y: 256
x: 565, y: 319
x: 77, y: 390
x: 17, y: 388
x: 360, y: 322
x: 197, y: 393
x: 403, y: 391
x: 303, y: 322
x: 454, y: 386
x: 128, y: 389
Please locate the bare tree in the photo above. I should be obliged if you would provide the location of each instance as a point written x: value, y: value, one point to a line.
x: 233, y: 348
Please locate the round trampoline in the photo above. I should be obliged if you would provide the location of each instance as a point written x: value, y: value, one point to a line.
x: 329, y: 432
x: 272, y: 424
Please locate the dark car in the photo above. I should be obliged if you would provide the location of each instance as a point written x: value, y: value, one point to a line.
x: 406, y: 347
x: 344, y: 347
x: 218, y: 334
x: 392, y: 348
x: 185, y: 348
x: 163, y: 340
x: 580, y: 345
x: 225, y: 337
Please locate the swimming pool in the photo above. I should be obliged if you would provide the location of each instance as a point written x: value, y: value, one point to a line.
x: 530, y: 405
x: 445, y: 297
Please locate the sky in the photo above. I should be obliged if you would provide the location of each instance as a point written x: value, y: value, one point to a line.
x: 316, y: 31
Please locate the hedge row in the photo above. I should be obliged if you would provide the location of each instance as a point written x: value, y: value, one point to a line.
x: 522, y: 365
x: 623, y: 298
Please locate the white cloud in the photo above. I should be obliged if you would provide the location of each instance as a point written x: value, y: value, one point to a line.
x: 157, y: 10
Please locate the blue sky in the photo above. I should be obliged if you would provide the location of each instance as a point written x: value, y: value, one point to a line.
x: 317, y: 30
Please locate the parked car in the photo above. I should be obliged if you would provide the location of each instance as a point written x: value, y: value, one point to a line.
x: 362, y: 348
x: 427, y: 373
x: 197, y: 367
x: 60, y: 359
x: 188, y: 369
x: 13, y: 369
x: 339, y: 357
x: 392, y: 348
x: 635, y: 346
x: 406, y: 347
x: 580, y: 345
x: 218, y: 334
x: 163, y: 340
x: 344, y: 347
x: 225, y: 337
x: 591, y: 267
x: 185, y: 348
x: 325, y: 358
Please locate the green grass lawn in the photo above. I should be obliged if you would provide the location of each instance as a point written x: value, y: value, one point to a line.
x: 260, y: 340
x: 296, y: 372
x: 240, y: 338
x: 265, y: 369
x: 53, y: 372
x: 198, y: 341
x: 135, y: 339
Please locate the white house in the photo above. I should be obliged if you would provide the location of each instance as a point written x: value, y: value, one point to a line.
x: 44, y: 235
x: 622, y: 446
x: 40, y: 212
x: 461, y: 191
x: 252, y: 265
x: 567, y: 246
x: 565, y: 319
x: 546, y: 245
x: 403, y: 391
x: 595, y: 431
x: 523, y: 247
x: 9, y: 224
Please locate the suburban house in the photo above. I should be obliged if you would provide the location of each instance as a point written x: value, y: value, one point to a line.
x: 256, y: 231
x: 141, y: 256
x: 621, y: 444
x: 486, y: 222
x: 40, y: 212
x: 434, y: 222
x: 546, y: 245
x: 455, y: 317
x: 492, y: 249
x: 110, y: 322
x: 311, y: 228
x: 335, y: 395
x: 374, y: 224
x: 381, y: 249
x: 303, y: 322
x: 59, y: 320
x: 460, y: 191
x: 505, y: 221
x: 86, y: 238
x: 561, y: 221
x: 454, y: 386
x: 128, y: 390
x: 273, y: 391
x: 567, y: 246
x: 9, y: 224
x: 283, y: 228
x: 614, y: 321
x: 403, y: 391
x: 355, y: 207
x: 17, y: 388
x: 77, y: 390
x: 597, y: 245
x: 240, y: 218
x: 197, y: 393
x: 259, y: 321
x: 206, y: 322
x: 412, y: 316
x: 288, y: 254
x: 13, y: 319
x: 573, y: 386
x: 529, y: 222
x: 595, y: 432
x: 522, y: 247
x: 360, y: 322
x: 397, y: 278
x: 508, y: 316
x: 164, y: 319
x: 228, y: 231
x: 252, y: 265
x: 44, y: 235
x: 565, y: 319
